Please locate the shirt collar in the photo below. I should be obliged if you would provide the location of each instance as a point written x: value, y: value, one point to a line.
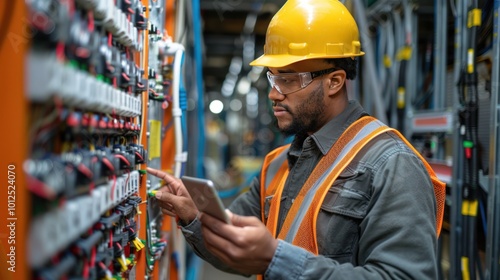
x: 326, y: 136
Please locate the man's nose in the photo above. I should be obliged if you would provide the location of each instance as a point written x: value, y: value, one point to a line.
x: 275, y: 95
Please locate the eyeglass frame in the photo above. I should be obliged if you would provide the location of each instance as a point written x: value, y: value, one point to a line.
x: 309, y: 76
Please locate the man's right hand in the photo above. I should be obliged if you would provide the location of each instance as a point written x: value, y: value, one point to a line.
x: 173, y: 197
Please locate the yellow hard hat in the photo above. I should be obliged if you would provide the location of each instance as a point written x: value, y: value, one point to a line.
x: 309, y: 29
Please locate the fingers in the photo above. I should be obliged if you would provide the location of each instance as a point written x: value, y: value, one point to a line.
x: 243, y: 221
x: 167, y: 178
x: 219, y: 227
x: 167, y: 200
x: 217, y: 245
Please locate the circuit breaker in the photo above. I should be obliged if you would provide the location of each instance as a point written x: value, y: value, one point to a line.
x: 97, y: 76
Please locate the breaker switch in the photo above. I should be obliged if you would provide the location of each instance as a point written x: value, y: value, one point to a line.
x: 139, y: 151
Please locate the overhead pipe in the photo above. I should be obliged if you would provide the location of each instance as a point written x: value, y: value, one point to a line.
x: 369, y: 59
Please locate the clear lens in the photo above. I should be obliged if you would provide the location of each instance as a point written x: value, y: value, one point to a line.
x: 289, y: 82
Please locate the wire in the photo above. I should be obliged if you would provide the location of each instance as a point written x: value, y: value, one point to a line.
x: 86, y: 171
x: 91, y: 25
x: 124, y: 159
x: 108, y: 164
x: 453, y: 8
x: 113, y: 187
x: 139, y: 156
x: 483, y: 217
x: 60, y: 51
x: 153, y: 92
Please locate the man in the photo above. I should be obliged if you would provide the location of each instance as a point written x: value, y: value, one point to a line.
x: 334, y: 204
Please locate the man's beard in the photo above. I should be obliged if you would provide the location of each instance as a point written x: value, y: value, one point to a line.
x: 306, y: 118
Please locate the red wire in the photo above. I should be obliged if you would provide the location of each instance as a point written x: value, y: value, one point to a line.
x: 85, y: 269
x: 82, y: 52
x: 39, y: 188
x: 110, y: 67
x: 124, y: 159
x: 125, y: 76
x: 153, y: 91
x: 101, y: 264
x: 108, y: 164
x: 128, y: 177
x: 71, y: 7
x: 110, y: 39
x: 93, y: 254
x: 60, y: 51
x: 113, y: 188
x: 139, y: 155
x: 110, y: 245
x: 85, y: 170
x: 91, y: 21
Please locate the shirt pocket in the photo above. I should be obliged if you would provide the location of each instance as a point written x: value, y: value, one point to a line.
x: 343, y: 209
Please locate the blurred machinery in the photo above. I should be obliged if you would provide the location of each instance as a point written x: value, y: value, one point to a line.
x: 440, y: 89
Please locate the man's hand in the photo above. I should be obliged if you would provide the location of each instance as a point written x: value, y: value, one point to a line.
x: 173, y: 198
x: 246, y: 245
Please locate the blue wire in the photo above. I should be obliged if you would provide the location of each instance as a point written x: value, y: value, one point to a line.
x: 483, y: 217
x: 200, y: 171
x: 194, y: 263
x: 183, y: 107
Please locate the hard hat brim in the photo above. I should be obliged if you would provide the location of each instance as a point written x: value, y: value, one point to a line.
x: 283, y: 60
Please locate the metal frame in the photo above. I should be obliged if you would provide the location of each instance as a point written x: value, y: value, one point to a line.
x: 493, y: 235
x: 457, y: 178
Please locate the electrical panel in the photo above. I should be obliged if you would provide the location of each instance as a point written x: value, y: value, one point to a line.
x: 97, y: 76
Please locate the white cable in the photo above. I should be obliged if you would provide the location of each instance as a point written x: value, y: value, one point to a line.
x: 177, y: 50
x: 408, y: 23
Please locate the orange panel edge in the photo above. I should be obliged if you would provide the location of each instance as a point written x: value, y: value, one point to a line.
x: 168, y: 154
x: 142, y: 261
x: 14, y: 199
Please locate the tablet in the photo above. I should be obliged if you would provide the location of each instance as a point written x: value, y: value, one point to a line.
x: 205, y: 197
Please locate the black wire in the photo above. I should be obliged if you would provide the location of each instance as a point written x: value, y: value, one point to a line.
x: 471, y: 167
x: 6, y: 19
x: 479, y: 266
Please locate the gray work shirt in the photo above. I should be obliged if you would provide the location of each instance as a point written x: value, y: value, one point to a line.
x: 378, y: 220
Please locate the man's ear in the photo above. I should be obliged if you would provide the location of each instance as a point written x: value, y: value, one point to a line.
x: 336, y: 81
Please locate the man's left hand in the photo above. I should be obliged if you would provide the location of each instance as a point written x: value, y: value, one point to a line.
x: 246, y: 245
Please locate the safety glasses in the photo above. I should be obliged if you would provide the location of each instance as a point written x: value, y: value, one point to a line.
x: 287, y: 83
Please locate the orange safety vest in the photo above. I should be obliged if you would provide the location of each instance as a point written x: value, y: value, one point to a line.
x: 299, y: 227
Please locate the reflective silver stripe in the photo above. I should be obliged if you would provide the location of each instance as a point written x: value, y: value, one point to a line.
x: 365, y: 131
x: 274, y: 166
